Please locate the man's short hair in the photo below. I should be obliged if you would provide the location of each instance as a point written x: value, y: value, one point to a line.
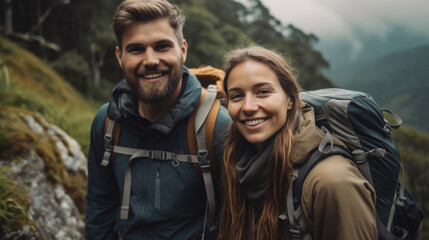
x: 133, y: 11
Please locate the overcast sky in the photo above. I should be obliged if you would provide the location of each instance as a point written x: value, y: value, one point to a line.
x: 352, y: 23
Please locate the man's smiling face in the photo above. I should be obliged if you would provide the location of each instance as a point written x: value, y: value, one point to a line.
x: 152, y: 60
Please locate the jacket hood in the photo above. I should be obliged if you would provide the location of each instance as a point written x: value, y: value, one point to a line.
x: 123, y: 105
x: 308, y: 136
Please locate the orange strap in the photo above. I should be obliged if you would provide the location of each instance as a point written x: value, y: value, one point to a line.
x: 210, y: 126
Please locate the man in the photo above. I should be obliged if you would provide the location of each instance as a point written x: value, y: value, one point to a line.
x: 167, y: 199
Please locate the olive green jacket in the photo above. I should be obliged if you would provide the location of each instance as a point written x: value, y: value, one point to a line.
x: 337, y: 201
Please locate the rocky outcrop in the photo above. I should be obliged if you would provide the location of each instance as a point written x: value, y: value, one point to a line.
x: 53, y: 211
x: 70, y: 150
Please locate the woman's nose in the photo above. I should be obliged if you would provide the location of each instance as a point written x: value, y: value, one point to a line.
x: 250, y: 105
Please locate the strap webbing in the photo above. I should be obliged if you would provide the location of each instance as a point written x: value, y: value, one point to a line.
x: 210, y: 127
x: 108, y: 144
x: 201, y: 159
x: 382, y: 230
x: 362, y: 162
x: 152, y: 155
x: 203, y: 153
x: 156, y: 155
x: 297, y: 226
x: 395, y: 117
x: 204, y: 109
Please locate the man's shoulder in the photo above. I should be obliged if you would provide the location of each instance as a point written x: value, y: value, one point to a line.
x: 101, y: 115
x: 102, y: 111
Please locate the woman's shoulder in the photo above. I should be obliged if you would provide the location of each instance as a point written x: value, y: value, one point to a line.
x: 334, y: 170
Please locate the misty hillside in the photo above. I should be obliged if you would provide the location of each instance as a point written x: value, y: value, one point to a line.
x: 399, y: 81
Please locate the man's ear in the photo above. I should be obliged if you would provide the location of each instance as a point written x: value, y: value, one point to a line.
x: 184, y: 49
x: 118, y: 54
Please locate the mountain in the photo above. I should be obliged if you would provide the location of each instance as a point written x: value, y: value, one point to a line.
x: 398, y: 81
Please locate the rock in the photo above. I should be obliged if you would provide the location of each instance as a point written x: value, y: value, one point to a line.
x: 73, y: 157
x: 51, y: 208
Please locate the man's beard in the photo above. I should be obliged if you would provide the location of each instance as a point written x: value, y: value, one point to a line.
x: 155, y: 93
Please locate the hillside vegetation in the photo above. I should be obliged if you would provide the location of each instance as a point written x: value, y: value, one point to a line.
x: 399, y: 81
x: 27, y: 82
x: 29, y: 87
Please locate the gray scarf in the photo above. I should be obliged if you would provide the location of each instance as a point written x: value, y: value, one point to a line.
x: 252, y: 171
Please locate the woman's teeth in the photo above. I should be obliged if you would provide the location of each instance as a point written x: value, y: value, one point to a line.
x: 254, y: 122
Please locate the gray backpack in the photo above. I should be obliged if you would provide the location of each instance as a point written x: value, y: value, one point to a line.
x: 357, y: 120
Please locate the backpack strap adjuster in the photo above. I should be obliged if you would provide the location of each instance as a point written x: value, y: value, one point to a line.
x: 108, y: 149
x: 108, y: 143
x: 157, y: 155
x: 295, y: 231
x: 204, y: 161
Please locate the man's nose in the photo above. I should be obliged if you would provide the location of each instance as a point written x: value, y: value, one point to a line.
x: 150, y: 58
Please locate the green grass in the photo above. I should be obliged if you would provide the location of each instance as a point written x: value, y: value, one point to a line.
x: 14, y: 204
x: 32, y: 85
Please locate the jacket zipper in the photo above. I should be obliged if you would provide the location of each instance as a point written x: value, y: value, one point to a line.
x: 158, y: 188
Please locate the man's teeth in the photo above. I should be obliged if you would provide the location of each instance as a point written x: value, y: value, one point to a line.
x: 254, y: 122
x: 153, y: 75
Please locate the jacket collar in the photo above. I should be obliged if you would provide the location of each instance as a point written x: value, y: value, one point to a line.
x: 123, y: 106
x: 308, y: 137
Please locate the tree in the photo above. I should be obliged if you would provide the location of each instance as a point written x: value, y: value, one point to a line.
x: 8, y: 17
x: 296, y: 45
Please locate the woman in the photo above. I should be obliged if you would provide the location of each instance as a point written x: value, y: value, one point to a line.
x: 272, y: 131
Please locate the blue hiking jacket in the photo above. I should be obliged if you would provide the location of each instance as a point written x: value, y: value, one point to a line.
x: 167, y: 201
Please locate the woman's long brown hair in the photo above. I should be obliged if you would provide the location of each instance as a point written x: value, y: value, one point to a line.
x: 233, y: 214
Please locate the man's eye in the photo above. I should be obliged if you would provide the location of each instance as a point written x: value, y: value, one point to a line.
x: 135, y: 50
x: 162, y: 47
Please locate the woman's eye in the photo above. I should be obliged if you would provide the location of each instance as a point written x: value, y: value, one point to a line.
x: 235, y: 97
x: 263, y: 91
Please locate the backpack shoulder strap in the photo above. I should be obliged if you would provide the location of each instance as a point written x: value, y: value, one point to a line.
x: 315, y: 157
x: 293, y: 215
x: 111, y: 129
x: 209, y: 123
x: 200, y: 134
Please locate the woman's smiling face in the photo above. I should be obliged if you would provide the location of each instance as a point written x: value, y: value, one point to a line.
x: 257, y: 103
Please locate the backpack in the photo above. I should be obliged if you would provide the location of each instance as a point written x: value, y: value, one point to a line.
x: 200, y: 138
x: 357, y: 120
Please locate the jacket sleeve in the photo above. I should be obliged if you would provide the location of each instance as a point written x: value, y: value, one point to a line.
x: 103, y: 196
x: 338, y: 203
